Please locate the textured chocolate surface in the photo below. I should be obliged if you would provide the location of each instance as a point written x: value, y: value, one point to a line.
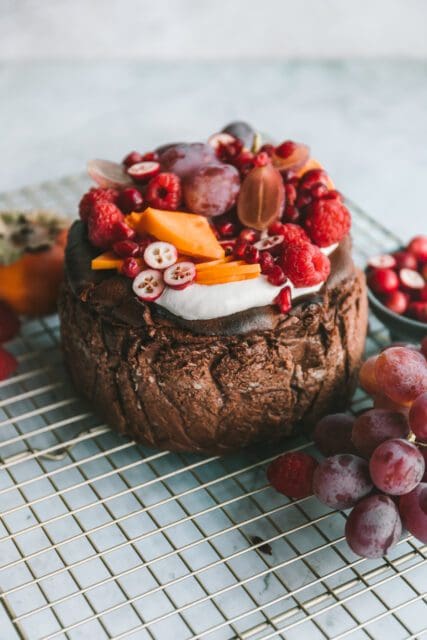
x: 213, y: 388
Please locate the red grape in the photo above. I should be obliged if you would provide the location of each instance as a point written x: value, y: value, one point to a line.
x: 413, y: 509
x: 382, y: 402
x: 396, y: 467
x: 424, y: 454
x: 342, y: 480
x: 373, y: 527
x: 332, y: 434
x: 183, y: 159
x: 212, y: 190
x: 375, y: 426
x: 367, y: 378
x: 418, y: 417
x: 401, y: 374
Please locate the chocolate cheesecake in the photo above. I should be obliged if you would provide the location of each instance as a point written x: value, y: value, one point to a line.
x: 187, y: 376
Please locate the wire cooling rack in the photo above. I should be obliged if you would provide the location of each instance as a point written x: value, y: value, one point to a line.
x: 103, y: 538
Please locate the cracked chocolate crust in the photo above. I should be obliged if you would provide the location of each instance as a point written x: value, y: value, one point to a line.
x: 187, y: 389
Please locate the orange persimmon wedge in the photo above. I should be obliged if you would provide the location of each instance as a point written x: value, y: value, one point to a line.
x: 190, y: 233
x: 231, y: 272
x: 109, y: 260
x: 202, y: 266
x: 219, y: 279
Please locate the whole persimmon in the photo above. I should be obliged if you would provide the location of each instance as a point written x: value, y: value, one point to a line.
x: 32, y: 248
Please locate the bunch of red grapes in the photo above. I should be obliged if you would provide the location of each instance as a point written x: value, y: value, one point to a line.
x: 376, y: 463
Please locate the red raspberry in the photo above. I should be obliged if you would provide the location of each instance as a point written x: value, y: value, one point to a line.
x: 164, y: 191
x: 94, y: 195
x: 327, y: 222
x: 130, y: 268
x: 102, y: 224
x: 284, y: 300
x: 9, y: 323
x: 293, y: 234
x: 304, y: 264
x: 292, y: 474
x: 8, y: 364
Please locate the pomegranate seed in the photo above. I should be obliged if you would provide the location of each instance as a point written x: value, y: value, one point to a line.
x: 129, y: 200
x: 284, y: 300
x: 291, y: 214
x: 418, y: 246
x: 130, y: 268
x: 276, y: 276
x: 240, y: 248
x: 132, y: 158
x: 397, y: 301
x: 382, y: 262
x: 261, y: 159
x: 266, y: 262
x: 248, y: 235
x: 405, y: 260
x: 291, y: 193
x: 226, y: 229
x: 383, y: 281
x: 122, y: 231
x: 144, y: 171
x: 411, y: 280
x: 251, y: 254
x: 275, y: 229
x: 126, y: 248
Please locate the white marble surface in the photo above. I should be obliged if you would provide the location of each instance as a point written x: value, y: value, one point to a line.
x: 365, y: 120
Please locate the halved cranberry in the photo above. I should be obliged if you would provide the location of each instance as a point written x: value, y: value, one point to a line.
x: 132, y: 158
x: 130, y: 268
x: 411, y: 280
x: 276, y: 276
x: 397, y: 301
x: 218, y: 139
x: 180, y: 275
x: 126, y: 248
x: 405, y: 260
x: 148, y: 285
x: 251, y: 254
x: 129, y: 200
x: 383, y: 281
x: 385, y: 261
x: 143, y: 171
x: 284, y: 300
x: 160, y: 255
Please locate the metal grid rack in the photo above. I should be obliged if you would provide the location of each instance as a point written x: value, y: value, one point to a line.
x: 103, y: 538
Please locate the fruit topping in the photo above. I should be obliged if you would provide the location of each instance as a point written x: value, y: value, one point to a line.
x: 180, y: 275
x: 292, y: 474
x: 418, y: 311
x: 164, y: 191
x: 290, y: 156
x: 404, y: 260
x: 401, y: 374
x: 129, y: 200
x: 183, y: 159
x: 241, y: 130
x: 418, y: 247
x: 385, y: 261
x: 375, y: 427
x: 327, y: 222
x: 261, y: 198
x: 411, y: 280
x: 160, y: 255
x: 396, y: 301
x: 228, y: 272
x: 373, y: 527
x: 293, y: 234
x: 9, y: 323
x: 332, y: 434
x: 130, y: 268
x: 267, y: 263
x: 275, y: 276
x: 144, y: 171
x: 284, y: 300
x: 126, y: 248
x: 108, y: 174
x: 94, y: 195
x: 132, y: 158
x: 191, y: 234
x: 218, y: 140
x: 340, y: 481
x: 383, y: 281
x: 102, y: 224
x: 251, y: 254
x: 413, y: 509
x: 268, y: 242
x: 8, y: 364
x: 211, y: 190
x: 396, y: 466
x: 305, y: 265
x: 148, y: 285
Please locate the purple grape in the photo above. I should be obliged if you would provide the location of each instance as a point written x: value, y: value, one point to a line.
x: 413, y: 509
x: 332, y: 434
x: 376, y: 426
x: 184, y: 159
x: 212, y: 190
x: 396, y: 467
x: 342, y: 480
x: 373, y: 527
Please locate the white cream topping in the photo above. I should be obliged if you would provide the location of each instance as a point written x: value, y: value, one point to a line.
x: 204, y: 302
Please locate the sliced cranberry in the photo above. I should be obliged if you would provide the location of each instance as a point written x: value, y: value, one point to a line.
x: 276, y: 276
x: 126, y: 248
x: 132, y: 158
x: 266, y: 262
x: 405, y: 260
x: 251, y: 254
x: 411, y: 280
x: 160, y: 255
x: 269, y: 242
x: 130, y: 268
x: 385, y: 261
x: 148, y: 285
x: 397, y: 301
x: 383, y: 281
x: 180, y: 275
x: 284, y: 300
x: 218, y: 139
x: 129, y: 200
x: 143, y: 171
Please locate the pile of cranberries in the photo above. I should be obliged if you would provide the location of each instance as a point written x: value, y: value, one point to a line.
x: 376, y: 463
x: 399, y: 279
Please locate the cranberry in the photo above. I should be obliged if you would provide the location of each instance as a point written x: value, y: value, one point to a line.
x: 132, y: 158
x: 418, y: 246
x: 130, y: 268
x: 143, y: 244
x: 276, y: 276
x: 126, y: 248
x: 284, y: 300
x: 383, y: 281
x: 291, y: 214
x: 248, y: 235
x: 397, y: 301
x: 405, y: 260
x: 240, y: 249
x: 150, y: 156
x: 130, y: 200
x: 122, y: 231
x: 226, y: 229
x: 251, y: 254
x: 291, y: 193
x: 266, y: 262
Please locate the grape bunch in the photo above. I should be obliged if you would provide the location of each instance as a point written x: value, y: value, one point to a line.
x: 375, y: 463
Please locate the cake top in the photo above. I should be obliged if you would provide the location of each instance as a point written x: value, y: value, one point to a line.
x: 210, y: 229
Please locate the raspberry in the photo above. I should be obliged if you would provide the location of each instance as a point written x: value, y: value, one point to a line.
x: 293, y: 234
x: 164, y: 191
x: 94, y: 195
x: 305, y: 265
x: 8, y: 364
x: 9, y: 323
x: 292, y: 474
x: 327, y: 222
x: 102, y: 224
x: 284, y: 300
